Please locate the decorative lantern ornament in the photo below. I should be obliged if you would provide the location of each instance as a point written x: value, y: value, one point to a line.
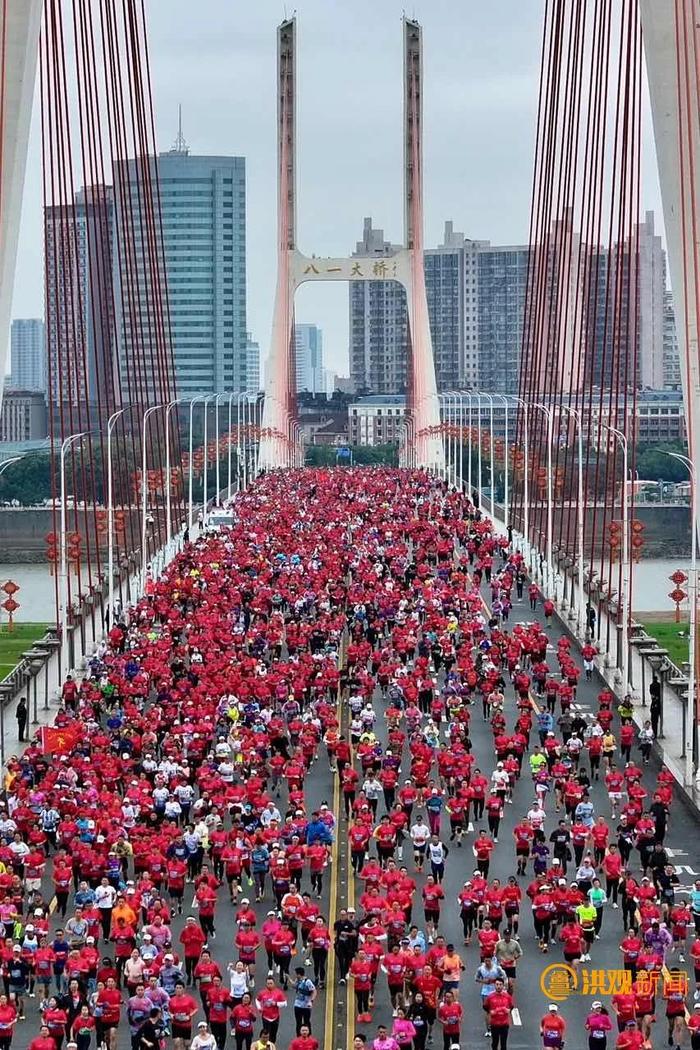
x: 678, y: 595
x: 10, y: 605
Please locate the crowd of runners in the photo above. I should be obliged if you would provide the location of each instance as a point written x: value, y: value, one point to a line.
x: 361, y: 621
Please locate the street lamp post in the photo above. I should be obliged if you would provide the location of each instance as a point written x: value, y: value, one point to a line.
x: 625, y: 596
x: 111, y: 422
x: 239, y: 454
x: 445, y: 398
x: 551, y: 586
x: 451, y: 438
x: 470, y: 425
x: 190, y: 503
x: 442, y: 403
x: 8, y: 463
x: 456, y: 398
x: 692, y: 746
x: 258, y: 404
x: 217, y: 474
x: 403, y: 443
x: 72, y: 439
x: 460, y: 396
x: 491, y: 470
x: 506, y: 488
x: 144, y: 492
x: 45, y: 447
x: 478, y: 464
x: 526, y: 478
x: 580, y: 605
x: 410, y: 441
x: 228, y: 451
x: 168, y: 507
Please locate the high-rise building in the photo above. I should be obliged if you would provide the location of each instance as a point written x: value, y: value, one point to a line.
x: 253, y: 384
x: 308, y: 345
x: 78, y: 255
x: 23, y: 416
x: 378, y: 324
x: 652, y: 286
x: 502, y: 280
x: 609, y: 308
x: 671, y: 358
x: 476, y: 303
x: 452, y: 288
x: 27, y: 355
x: 203, y: 209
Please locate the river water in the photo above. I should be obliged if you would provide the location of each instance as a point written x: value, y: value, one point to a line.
x: 36, y: 599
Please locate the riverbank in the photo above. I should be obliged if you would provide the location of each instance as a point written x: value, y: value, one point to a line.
x: 670, y: 635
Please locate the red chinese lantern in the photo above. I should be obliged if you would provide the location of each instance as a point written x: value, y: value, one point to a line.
x: 73, y: 546
x: 10, y: 606
x: 101, y: 521
x: 120, y: 521
x: 637, y: 539
x: 678, y: 595
x: 52, y: 550
x: 615, y: 539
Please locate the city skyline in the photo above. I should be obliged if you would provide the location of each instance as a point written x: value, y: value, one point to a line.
x: 477, y: 86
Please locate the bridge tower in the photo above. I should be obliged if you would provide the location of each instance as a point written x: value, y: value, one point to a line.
x: 671, y: 36
x: 295, y: 268
x: 20, y: 21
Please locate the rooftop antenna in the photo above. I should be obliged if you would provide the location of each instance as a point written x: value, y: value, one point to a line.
x: 180, y: 145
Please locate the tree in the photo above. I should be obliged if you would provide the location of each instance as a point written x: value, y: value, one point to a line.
x: 652, y: 465
x: 28, y: 481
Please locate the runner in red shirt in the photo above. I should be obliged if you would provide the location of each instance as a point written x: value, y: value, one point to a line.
x: 498, y: 1006
x: 552, y: 1028
x: 182, y: 1008
x: 360, y: 973
x: 270, y: 1001
x: 304, y: 1041
x: 109, y: 999
x: 43, y: 1041
x: 449, y: 1014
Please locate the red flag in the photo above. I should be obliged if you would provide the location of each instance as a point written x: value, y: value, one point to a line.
x: 58, y: 741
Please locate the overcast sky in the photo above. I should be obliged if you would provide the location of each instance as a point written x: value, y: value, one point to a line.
x: 218, y: 58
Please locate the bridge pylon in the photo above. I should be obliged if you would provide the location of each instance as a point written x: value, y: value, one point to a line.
x: 295, y: 268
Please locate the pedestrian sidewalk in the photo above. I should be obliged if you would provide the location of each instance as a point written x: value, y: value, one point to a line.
x: 668, y: 747
x: 10, y: 743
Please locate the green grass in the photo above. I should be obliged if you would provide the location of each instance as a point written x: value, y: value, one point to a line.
x: 667, y: 635
x: 16, y: 641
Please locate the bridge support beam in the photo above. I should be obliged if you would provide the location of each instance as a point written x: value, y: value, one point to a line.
x: 275, y: 448
x: 669, y: 33
x: 20, y: 21
x: 423, y: 399
x: 295, y: 268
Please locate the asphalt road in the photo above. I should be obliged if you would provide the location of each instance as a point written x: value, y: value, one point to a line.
x: 319, y: 787
x: 683, y: 838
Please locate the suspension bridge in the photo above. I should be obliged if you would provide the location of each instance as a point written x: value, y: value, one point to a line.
x: 323, y: 584
x: 569, y: 437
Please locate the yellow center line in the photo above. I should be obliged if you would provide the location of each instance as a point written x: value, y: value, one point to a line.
x: 335, y: 875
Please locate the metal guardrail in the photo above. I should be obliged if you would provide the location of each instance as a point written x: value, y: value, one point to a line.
x: 29, y: 667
